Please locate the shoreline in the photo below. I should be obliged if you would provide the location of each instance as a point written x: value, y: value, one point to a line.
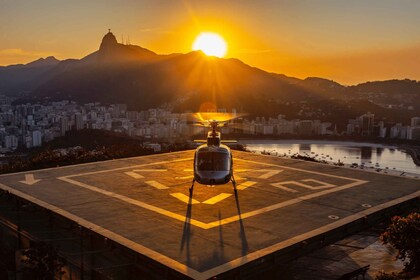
x: 412, y: 150
x: 361, y: 167
x: 315, y: 142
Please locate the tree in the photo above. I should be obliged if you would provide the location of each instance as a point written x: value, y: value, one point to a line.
x: 42, y: 262
x: 404, y: 235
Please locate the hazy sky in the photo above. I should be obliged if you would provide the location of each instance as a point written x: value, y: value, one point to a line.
x: 347, y: 41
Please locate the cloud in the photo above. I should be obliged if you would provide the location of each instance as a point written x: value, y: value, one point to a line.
x: 157, y: 30
x: 17, y: 56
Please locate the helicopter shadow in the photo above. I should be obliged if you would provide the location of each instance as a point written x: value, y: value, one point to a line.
x: 242, y: 233
x: 186, y: 232
x: 219, y: 250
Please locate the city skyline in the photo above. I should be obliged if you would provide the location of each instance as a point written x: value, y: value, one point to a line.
x: 32, y: 125
x: 350, y: 42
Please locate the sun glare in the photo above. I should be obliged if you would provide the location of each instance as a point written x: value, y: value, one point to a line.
x: 211, y: 44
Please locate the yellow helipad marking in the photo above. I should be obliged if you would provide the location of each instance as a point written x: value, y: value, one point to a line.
x: 304, y: 236
x: 323, y: 185
x: 354, y: 182
x: 298, y: 169
x: 245, y: 185
x: 121, y: 168
x: 184, y: 177
x: 150, y: 170
x: 269, y: 173
x: 134, y: 175
x: 239, y: 178
x: 217, y: 198
x: 138, y: 176
x: 185, y: 198
x: 111, y: 235
x: 144, y: 205
x: 216, y: 223
x: 156, y: 185
x: 215, y: 270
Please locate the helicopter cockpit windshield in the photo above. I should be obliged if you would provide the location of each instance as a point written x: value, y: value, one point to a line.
x: 213, y: 161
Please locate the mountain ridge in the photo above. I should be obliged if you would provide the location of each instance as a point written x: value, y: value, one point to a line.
x: 118, y: 73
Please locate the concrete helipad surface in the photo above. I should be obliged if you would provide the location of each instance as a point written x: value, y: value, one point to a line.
x: 143, y: 203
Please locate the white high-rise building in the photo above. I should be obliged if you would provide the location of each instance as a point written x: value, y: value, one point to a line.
x: 415, y: 121
x: 79, y: 123
x: 10, y: 142
x: 36, y: 138
x: 64, y: 125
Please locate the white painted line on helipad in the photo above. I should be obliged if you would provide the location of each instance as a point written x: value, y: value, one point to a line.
x: 132, y: 167
x: 185, y: 198
x: 217, y: 198
x: 235, y: 218
x: 299, y: 238
x: 297, y: 169
x: 280, y: 185
x: 283, y: 204
x: 156, y: 185
x: 215, y: 223
x: 322, y: 185
x: 134, y: 175
x: 268, y: 172
x: 216, y: 270
x: 30, y: 180
x: 135, y: 202
x: 110, y: 235
x: 102, y: 162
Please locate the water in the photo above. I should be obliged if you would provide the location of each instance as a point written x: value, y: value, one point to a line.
x: 372, y: 156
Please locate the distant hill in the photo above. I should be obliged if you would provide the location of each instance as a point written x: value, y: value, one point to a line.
x: 119, y: 73
x: 389, y: 87
x: 19, y: 77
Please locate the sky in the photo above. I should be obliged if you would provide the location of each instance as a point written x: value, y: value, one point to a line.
x: 347, y: 41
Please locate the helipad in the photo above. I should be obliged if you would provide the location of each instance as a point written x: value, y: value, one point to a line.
x: 143, y: 203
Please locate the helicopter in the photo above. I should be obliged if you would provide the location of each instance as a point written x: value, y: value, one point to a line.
x: 213, y: 162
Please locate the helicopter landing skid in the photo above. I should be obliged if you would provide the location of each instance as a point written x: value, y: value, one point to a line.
x: 191, y: 188
x: 232, y: 179
x: 234, y: 184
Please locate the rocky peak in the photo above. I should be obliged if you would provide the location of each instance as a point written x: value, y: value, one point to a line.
x: 108, y: 41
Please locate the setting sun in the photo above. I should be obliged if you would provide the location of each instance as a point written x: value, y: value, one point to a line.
x: 211, y: 44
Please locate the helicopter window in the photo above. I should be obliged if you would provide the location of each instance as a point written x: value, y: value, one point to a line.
x: 211, y: 161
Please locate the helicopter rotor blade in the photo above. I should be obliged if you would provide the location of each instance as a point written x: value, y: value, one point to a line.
x: 215, y: 117
x: 200, y: 141
x: 229, y: 141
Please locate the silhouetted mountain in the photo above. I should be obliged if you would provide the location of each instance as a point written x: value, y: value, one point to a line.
x: 25, y: 77
x: 42, y: 62
x: 389, y: 87
x: 119, y: 73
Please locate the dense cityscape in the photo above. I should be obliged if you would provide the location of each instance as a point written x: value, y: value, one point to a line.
x: 31, y: 125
